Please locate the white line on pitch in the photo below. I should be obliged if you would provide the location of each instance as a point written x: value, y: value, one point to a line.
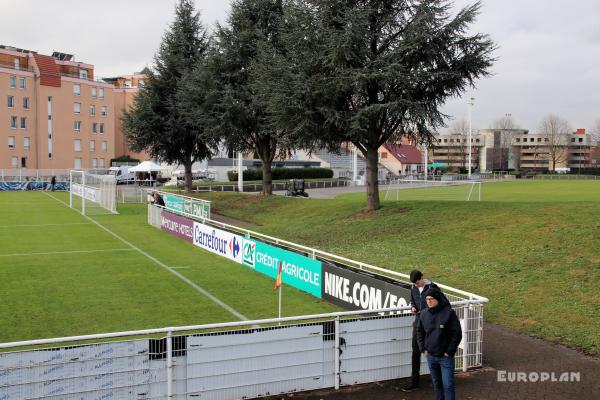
x: 35, y: 225
x: 166, y: 267
x: 63, y: 252
x: 182, y: 267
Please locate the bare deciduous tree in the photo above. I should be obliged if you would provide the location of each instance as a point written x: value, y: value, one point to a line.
x: 460, y: 129
x: 555, y: 131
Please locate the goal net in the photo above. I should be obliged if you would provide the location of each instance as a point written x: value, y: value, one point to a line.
x: 92, y: 194
x: 406, y: 189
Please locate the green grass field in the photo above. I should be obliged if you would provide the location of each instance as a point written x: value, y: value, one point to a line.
x: 62, y: 275
x: 531, y: 247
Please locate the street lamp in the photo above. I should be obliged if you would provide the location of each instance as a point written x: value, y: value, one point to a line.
x: 470, y: 133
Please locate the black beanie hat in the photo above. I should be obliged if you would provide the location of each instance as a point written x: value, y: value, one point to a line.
x: 436, y: 294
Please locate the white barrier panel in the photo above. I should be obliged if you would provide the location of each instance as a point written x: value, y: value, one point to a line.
x: 253, y: 364
x: 97, y: 371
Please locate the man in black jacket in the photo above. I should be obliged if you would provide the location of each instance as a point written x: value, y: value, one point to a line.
x: 439, y: 334
x: 417, y: 302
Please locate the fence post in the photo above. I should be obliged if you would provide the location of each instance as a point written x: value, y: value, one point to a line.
x: 336, y: 358
x: 465, y: 338
x: 169, y: 365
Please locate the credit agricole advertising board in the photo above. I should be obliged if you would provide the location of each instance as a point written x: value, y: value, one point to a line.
x: 345, y: 287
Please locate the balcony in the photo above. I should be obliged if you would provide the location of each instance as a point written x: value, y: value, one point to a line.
x: 76, y: 76
x: 12, y: 66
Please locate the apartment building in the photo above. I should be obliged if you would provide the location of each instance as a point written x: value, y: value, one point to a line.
x: 504, y: 149
x: 126, y: 88
x: 547, y: 152
x: 54, y: 114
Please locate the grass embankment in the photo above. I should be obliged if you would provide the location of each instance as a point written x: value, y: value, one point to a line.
x: 532, y: 248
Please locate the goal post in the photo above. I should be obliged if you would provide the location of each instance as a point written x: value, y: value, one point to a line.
x: 421, y: 190
x: 92, y: 194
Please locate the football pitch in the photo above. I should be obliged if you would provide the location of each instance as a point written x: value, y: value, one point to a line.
x: 64, y: 274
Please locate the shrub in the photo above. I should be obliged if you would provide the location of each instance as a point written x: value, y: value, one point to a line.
x: 283, y: 173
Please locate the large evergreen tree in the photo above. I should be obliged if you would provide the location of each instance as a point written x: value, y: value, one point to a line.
x: 239, y: 116
x: 370, y: 71
x: 156, y: 122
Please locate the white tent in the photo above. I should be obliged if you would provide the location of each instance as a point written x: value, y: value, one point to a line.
x: 147, y: 166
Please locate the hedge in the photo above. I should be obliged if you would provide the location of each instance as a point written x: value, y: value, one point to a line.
x: 283, y: 173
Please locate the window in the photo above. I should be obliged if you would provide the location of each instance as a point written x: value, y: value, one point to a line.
x: 101, y: 162
x: 141, y: 83
x: 26, y: 143
x: 10, y: 101
x: 94, y: 92
x: 77, y: 108
x: 476, y: 140
x: 101, y: 128
x: 77, y: 144
x: 94, y: 127
x: 531, y: 139
x: 572, y: 140
x: 445, y: 140
x: 83, y: 74
x: 11, y: 142
x: 12, y: 81
x: 580, y: 140
x: 104, y: 146
x: 104, y: 111
x: 13, y: 161
x: 77, y: 126
x: 26, y: 103
x: 546, y: 139
x: 23, y: 162
x: 539, y: 139
x: 21, y: 83
x: 23, y: 123
x: 92, y: 110
x: 94, y: 162
x: 101, y: 93
x: 77, y: 89
x: 17, y: 64
x: 92, y: 145
x: 518, y: 140
x: 77, y: 163
x: 13, y: 122
x: 128, y: 83
x: 383, y: 155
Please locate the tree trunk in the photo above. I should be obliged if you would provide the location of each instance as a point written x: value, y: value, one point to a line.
x: 267, y: 180
x: 373, y: 202
x: 188, y: 177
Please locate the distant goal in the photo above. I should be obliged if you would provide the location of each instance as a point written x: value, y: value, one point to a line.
x: 411, y: 189
x: 92, y: 194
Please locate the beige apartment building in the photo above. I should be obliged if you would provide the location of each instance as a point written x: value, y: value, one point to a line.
x: 53, y: 114
x: 126, y: 88
x: 504, y: 149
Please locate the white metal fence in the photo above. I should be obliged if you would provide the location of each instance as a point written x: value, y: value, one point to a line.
x: 234, y: 360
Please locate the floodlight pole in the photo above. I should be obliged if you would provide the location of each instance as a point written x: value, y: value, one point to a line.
x: 470, y: 134
x: 425, y: 159
x: 240, y: 173
x: 354, y: 164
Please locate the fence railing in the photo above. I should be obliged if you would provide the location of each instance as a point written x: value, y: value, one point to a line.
x: 245, y: 359
x: 257, y: 187
x: 562, y: 177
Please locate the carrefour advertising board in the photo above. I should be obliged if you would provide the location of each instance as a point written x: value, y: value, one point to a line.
x: 298, y: 271
x: 217, y: 241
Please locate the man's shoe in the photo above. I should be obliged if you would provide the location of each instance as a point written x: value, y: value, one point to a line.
x: 409, y: 388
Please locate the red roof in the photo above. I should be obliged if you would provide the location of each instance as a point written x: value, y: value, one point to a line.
x: 49, y: 74
x: 405, y: 153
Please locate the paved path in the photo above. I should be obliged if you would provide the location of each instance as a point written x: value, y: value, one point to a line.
x: 503, y: 350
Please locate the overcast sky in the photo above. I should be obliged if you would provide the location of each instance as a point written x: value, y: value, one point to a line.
x: 548, y: 56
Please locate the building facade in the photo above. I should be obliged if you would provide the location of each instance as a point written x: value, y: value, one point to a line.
x: 55, y: 115
x: 505, y: 149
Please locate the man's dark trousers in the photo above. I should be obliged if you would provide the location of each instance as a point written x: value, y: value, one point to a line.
x: 416, y: 355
